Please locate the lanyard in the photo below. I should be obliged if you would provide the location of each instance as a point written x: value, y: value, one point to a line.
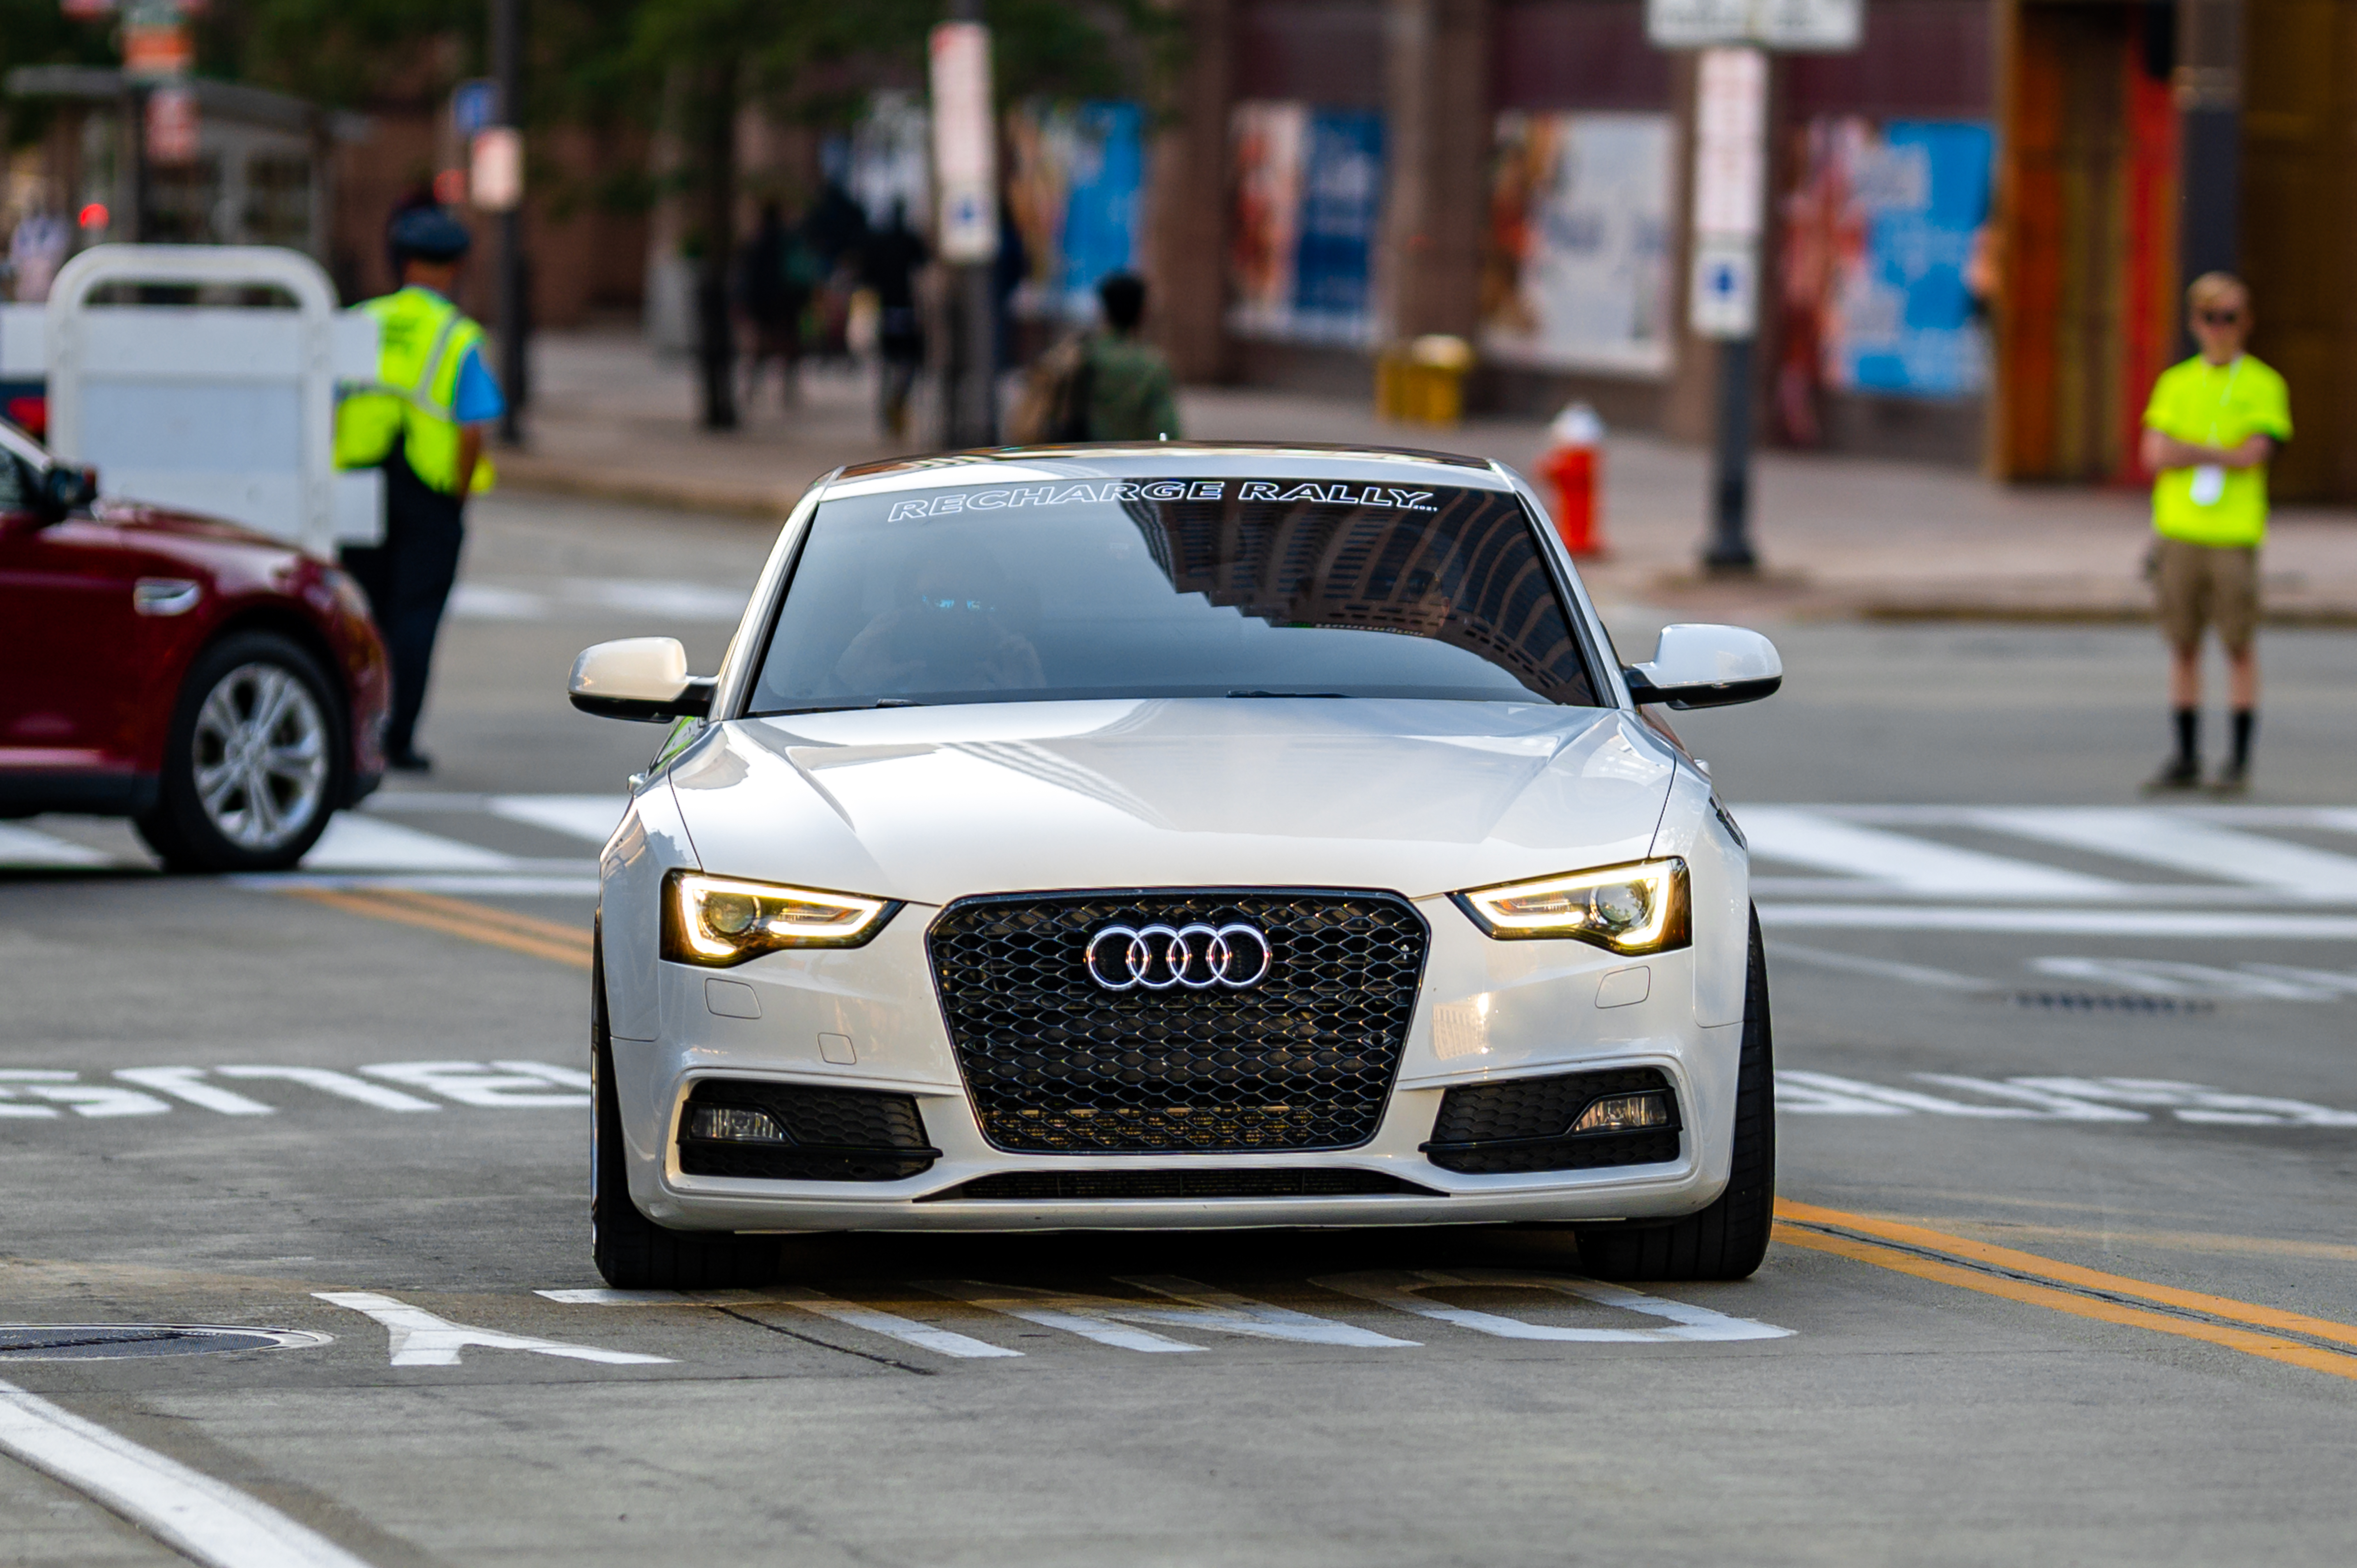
x: 2224, y: 393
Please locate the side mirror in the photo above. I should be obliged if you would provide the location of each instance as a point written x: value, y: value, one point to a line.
x: 67, y: 489
x: 642, y: 677
x: 1706, y: 667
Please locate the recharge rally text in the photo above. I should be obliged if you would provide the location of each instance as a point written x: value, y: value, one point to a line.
x: 1006, y: 496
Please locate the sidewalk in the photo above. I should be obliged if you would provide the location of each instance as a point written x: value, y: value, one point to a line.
x: 1839, y: 537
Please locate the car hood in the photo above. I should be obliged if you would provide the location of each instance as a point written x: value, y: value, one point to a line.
x: 930, y: 804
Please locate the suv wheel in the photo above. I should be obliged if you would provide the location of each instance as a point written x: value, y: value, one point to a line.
x: 1729, y: 1240
x: 253, y: 762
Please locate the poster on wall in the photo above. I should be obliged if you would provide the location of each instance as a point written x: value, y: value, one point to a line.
x: 1075, y: 182
x: 1309, y: 197
x: 1887, y: 260
x: 1576, y: 271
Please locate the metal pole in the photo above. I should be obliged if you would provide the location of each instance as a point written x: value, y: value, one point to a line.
x: 507, y: 67
x: 2209, y: 82
x: 1731, y: 481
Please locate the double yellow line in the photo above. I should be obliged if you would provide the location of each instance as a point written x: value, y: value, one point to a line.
x: 2317, y: 1344
x: 2292, y: 1338
x: 458, y: 918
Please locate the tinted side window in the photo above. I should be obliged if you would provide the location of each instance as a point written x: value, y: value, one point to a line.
x: 17, y: 492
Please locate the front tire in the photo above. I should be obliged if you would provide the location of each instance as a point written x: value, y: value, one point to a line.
x: 1729, y: 1240
x: 633, y: 1252
x: 254, y: 762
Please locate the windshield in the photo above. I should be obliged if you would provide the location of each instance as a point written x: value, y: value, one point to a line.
x: 1171, y: 588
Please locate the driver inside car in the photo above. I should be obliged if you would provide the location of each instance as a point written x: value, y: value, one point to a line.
x: 949, y: 630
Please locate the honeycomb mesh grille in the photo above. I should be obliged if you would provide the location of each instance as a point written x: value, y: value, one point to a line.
x: 1057, y: 1064
x: 1524, y: 1124
x: 839, y: 1134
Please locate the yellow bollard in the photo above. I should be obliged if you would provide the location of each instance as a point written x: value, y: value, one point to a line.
x: 1423, y: 381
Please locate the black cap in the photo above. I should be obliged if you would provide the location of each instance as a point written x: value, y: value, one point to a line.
x: 429, y: 234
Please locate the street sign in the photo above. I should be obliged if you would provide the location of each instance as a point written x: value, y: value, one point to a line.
x: 172, y: 126
x: 495, y: 173
x: 1794, y: 25
x: 966, y: 141
x: 1729, y: 180
x: 474, y: 104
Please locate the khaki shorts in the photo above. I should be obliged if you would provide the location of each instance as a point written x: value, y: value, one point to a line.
x: 2205, y: 586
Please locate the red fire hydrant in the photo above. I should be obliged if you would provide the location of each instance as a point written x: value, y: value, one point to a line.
x: 1574, y: 464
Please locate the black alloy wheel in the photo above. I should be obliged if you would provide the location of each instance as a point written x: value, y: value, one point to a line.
x: 254, y: 760
x: 1729, y: 1240
x: 633, y: 1252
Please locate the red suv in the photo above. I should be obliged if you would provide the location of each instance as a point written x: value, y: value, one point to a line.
x: 224, y: 690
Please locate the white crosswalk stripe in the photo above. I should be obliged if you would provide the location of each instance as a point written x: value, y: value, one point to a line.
x: 2183, y: 843
x: 1911, y: 865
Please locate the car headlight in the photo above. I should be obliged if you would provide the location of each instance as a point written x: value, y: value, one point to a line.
x: 718, y: 920
x: 1638, y: 908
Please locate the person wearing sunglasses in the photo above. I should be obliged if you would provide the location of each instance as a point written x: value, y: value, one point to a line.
x: 2212, y: 426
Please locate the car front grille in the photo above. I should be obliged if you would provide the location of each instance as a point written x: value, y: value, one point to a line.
x: 1067, y: 1185
x: 1524, y: 1124
x: 837, y: 1134
x: 1056, y: 1064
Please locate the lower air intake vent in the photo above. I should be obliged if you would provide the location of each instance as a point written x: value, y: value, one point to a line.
x: 1526, y: 1124
x: 791, y: 1131
x: 1084, y: 1185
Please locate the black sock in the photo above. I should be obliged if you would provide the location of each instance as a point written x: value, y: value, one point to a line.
x: 2189, y: 736
x: 2247, y: 720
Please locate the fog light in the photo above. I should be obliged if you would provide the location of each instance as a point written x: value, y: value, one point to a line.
x: 734, y: 1124
x: 1624, y: 1113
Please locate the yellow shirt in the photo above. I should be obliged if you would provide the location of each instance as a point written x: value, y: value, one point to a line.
x: 2223, y: 406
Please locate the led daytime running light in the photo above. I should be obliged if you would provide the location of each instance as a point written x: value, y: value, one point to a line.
x: 1636, y: 909
x: 720, y: 920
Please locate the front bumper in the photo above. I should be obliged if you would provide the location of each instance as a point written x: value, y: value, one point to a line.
x: 1487, y: 1011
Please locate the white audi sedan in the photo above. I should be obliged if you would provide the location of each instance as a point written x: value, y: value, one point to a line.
x: 1175, y: 836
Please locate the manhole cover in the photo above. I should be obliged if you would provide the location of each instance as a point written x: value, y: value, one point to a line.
x: 108, y: 1341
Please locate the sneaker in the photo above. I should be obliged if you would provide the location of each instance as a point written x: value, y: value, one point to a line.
x: 2177, y: 773
x: 2233, y: 780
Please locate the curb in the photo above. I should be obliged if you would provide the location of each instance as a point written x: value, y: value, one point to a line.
x: 752, y: 502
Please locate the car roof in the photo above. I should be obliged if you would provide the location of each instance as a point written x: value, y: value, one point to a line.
x: 1159, y: 459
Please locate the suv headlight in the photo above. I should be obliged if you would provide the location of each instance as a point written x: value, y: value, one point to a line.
x: 718, y: 920
x: 1640, y: 909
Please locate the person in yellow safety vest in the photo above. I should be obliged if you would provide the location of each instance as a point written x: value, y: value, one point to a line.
x: 421, y: 421
x: 2213, y: 422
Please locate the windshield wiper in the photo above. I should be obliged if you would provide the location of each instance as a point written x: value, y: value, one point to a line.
x: 1259, y: 693
x: 839, y: 707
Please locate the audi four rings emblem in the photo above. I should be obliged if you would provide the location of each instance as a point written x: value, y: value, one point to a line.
x: 1198, y: 956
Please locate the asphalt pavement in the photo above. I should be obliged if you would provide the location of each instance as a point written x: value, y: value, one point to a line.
x: 2068, y: 1127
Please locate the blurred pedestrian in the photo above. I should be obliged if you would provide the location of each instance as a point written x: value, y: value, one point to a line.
x: 421, y: 421
x: 1129, y: 387
x: 773, y: 297
x: 889, y: 264
x: 2212, y: 426
x: 36, y: 251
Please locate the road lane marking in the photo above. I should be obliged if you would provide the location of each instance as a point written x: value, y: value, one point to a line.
x: 2205, y: 925
x: 2157, y: 838
x: 876, y: 1320
x: 1884, y: 969
x: 82, y: 1098
x: 202, y: 1517
x: 1090, y: 1317
x: 27, y: 847
x: 1207, y: 1306
x: 590, y: 817
x: 181, y: 1083
x: 1401, y: 1291
x: 1915, y: 1099
x: 355, y: 840
x: 892, y: 1326
x: 479, y: 1083
x: 451, y: 916
x: 2086, y: 1293
x: 2169, y: 977
x: 2038, y: 1098
x: 327, y: 1080
x: 1909, y: 865
x: 419, y: 1339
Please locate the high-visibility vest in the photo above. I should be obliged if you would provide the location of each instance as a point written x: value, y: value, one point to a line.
x: 422, y: 340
